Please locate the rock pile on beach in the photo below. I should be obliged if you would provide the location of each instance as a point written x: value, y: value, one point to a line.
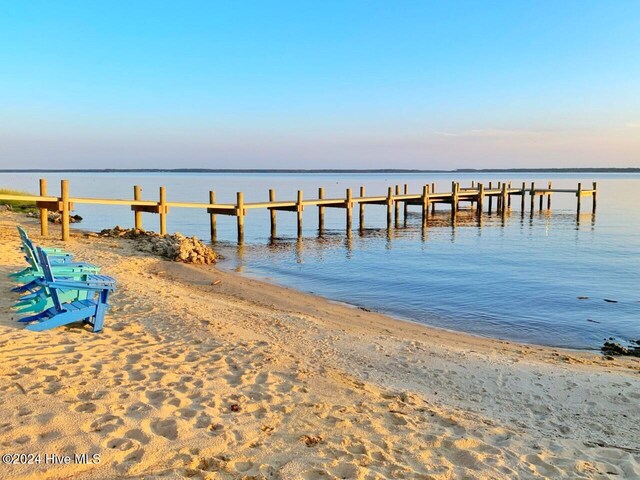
x: 56, y: 217
x: 174, y: 247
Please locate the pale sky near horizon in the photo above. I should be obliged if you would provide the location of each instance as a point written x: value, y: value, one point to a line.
x: 375, y: 84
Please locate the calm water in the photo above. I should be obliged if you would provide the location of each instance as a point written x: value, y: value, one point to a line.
x: 519, y: 279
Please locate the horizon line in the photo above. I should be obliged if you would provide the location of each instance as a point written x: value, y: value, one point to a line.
x: 322, y: 170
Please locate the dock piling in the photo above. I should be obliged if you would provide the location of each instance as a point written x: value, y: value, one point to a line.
x: 541, y: 201
x: 433, y: 204
x: 137, y: 214
x: 523, y: 194
x: 406, y: 204
x: 272, y: 212
x: 240, y: 211
x: 299, y: 208
x: 44, y: 212
x: 213, y: 222
x: 425, y: 204
x: 490, y: 198
x: 594, y: 197
x: 389, y: 207
x: 361, y: 208
x: 397, y: 205
x: 349, y: 208
x: 504, y: 199
x: 454, y: 198
x: 579, y: 195
x: 533, y: 197
x: 549, y: 196
x: 320, y: 211
x: 480, y: 199
x: 163, y: 210
x: 64, y: 198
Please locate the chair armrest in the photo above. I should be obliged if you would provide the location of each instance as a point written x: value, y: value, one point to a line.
x: 67, y: 285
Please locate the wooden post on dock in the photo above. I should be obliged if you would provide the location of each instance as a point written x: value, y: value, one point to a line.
x: 472, y: 200
x: 361, y: 208
x: 509, y: 197
x: 490, y: 197
x: 523, y: 196
x: 579, y: 195
x: 549, y: 196
x: 425, y: 204
x: 44, y: 212
x: 163, y: 211
x: 299, y: 208
x: 594, y: 197
x: 499, y: 202
x: 64, y: 198
x: 454, y: 199
x: 349, y: 208
x: 137, y: 214
x: 541, y: 201
x: 272, y: 212
x: 406, y: 204
x: 504, y: 201
x: 240, y: 216
x: 433, y: 204
x: 213, y: 223
x: 389, y: 207
x: 480, y: 200
x: 533, y: 197
x: 397, y: 205
x: 320, y: 210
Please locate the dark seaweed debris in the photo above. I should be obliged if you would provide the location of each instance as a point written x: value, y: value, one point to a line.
x: 611, y: 347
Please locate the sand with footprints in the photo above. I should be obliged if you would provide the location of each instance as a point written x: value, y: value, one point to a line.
x: 206, y: 374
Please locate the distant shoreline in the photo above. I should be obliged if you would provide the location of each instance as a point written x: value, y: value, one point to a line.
x: 313, y: 171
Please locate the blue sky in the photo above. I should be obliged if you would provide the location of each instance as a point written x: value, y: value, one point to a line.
x: 319, y: 84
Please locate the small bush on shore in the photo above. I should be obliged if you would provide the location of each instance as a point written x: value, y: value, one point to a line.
x: 16, y: 205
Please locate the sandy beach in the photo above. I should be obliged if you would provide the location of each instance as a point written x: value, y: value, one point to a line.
x: 201, y: 373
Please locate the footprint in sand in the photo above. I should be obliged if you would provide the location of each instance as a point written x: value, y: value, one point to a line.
x: 21, y: 440
x: 86, y: 408
x: 156, y: 397
x: 137, y: 435
x: 203, y: 421
x: 167, y: 428
x: 122, y: 444
x: 137, y: 408
x: 106, y: 423
x: 86, y: 396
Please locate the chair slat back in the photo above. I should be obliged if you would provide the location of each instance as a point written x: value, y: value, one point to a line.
x: 48, y: 276
x: 29, y: 249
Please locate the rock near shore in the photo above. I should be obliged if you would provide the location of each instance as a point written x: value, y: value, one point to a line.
x: 614, y: 348
x: 174, y: 247
x: 56, y: 217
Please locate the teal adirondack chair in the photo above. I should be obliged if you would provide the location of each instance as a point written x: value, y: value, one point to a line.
x: 57, y: 256
x: 90, y: 310
x: 41, y: 299
x: 24, y: 236
x: 34, y: 272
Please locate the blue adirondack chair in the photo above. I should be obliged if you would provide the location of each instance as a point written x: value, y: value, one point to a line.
x: 90, y: 310
x: 34, y: 272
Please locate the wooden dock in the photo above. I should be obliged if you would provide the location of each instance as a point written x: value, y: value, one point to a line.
x: 477, y: 195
